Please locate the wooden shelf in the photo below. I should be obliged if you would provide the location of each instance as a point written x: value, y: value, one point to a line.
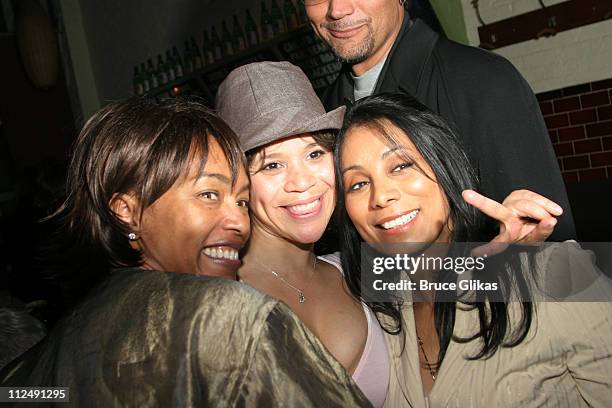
x: 544, y: 22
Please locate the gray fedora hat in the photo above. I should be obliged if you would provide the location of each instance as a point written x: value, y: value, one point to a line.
x: 268, y: 101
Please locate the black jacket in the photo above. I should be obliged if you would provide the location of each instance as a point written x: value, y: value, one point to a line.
x: 486, y: 100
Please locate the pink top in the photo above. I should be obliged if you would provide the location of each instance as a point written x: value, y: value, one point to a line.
x: 372, y: 372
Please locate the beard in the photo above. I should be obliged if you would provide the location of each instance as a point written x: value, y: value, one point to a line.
x: 356, y: 52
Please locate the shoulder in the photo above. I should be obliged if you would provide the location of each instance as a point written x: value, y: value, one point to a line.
x: 474, y: 74
x: 333, y: 259
x: 572, y: 291
x: 207, y: 288
x: 472, y: 62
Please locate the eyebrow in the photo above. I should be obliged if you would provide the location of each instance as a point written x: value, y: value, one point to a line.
x: 391, y: 151
x: 383, y: 156
x: 277, y: 154
x: 221, y: 177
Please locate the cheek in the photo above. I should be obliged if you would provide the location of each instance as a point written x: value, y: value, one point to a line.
x: 357, y: 211
x: 262, y: 192
x: 316, y: 14
x: 325, y: 173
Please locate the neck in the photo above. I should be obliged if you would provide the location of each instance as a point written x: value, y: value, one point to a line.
x: 269, y: 252
x: 378, y: 55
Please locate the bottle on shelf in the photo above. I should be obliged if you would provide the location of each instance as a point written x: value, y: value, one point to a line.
x: 267, y: 31
x: 278, y: 24
x: 162, y: 74
x: 198, y: 62
x: 238, y: 40
x: 179, y: 70
x: 252, y: 36
x: 146, y: 85
x: 137, y: 82
x: 216, y: 45
x: 291, y: 16
x: 152, y: 74
x: 207, y: 49
x: 188, y: 64
x: 170, y: 67
x: 226, y: 40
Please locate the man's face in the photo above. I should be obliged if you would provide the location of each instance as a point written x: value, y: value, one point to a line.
x: 358, y: 31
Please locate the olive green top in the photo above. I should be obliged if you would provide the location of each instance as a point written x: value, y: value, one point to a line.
x: 147, y: 338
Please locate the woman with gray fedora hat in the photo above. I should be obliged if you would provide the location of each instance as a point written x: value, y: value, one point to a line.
x: 287, y: 136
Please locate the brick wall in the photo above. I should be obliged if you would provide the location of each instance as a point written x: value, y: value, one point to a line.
x: 579, y: 120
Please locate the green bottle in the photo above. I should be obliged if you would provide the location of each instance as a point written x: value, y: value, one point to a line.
x: 207, y: 49
x: 162, y: 75
x: 152, y: 73
x: 252, y: 36
x: 291, y: 17
x: 137, y: 82
x: 238, y: 36
x: 278, y: 24
x: 188, y: 64
x: 196, y: 55
x: 146, y: 85
x: 226, y: 40
x: 267, y: 31
x: 216, y: 44
x: 178, y: 63
x: 170, y: 67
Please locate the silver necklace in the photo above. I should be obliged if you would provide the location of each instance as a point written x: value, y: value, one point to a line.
x: 300, y: 292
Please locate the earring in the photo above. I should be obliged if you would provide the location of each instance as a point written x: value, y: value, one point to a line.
x: 132, y: 236
x: 402, y: 2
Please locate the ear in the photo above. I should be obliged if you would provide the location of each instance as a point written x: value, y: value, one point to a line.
x: 125, y: 207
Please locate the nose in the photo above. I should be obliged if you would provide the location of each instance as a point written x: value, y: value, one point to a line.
x: 383, y: 195
x: 337, y: 9
x: 236, y: 219
x: 300, y: 179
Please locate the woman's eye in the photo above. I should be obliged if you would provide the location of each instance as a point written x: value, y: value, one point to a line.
x: 316, y: 154
x: 357, y: 186
x: 271, y: 166
x: 243, y: 203
x: 210, y: 195
x: 401, y: 167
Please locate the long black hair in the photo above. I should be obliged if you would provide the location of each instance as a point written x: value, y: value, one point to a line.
x: 440, y: 148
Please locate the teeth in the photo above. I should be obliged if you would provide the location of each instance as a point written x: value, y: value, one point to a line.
x: 404, y: 219
x: 302, y: 208
x: 219, y: 253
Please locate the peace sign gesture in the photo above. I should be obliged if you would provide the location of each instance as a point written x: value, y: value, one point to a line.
x: 524, y: 217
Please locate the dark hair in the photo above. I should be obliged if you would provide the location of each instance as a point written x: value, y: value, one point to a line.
x: 439, y: 146
x: 325, y: 138
x: 138, y: 146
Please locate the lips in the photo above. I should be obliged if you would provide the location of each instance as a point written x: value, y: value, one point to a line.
x: 221, y: 253
x: 346, y: 32
x: 305, y: 208
x: 398, y: 223
x: 224, y: 253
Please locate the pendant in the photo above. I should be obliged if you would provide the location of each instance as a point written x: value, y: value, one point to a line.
x: 301, y: 297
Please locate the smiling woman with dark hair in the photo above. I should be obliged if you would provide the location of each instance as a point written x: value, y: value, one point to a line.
x: 160, y: 189
x: 402, y: 178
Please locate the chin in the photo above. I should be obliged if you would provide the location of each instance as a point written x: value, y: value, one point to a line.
x: 309, y: 237
x: 221, y: 273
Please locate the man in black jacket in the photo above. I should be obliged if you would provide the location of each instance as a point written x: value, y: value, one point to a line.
x: 479, y: 93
